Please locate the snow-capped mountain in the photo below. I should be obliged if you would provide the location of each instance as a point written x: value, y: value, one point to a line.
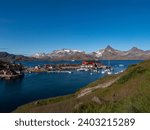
x: 102, y: 54
x: 99, y: 53
x: 39, y: 55
x: 64, y: 54
x: 107, y: 51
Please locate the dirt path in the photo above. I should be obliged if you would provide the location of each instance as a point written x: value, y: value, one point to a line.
x: 89, y: 90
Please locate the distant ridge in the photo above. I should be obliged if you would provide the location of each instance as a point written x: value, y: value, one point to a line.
x: 5, y: 56
x: 108, y: 53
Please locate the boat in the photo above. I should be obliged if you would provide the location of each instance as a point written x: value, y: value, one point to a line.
x: 106, y: 71
x: 103, y: 72
x: 82, y: 69
x: 117, y: 73
x: 96, y: 71
x: 69, y: 72
x: 109, y: 72
x: 121, y: 65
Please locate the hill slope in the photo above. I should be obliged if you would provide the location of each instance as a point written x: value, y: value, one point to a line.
x: 5, y: 56
x: 126, y: 92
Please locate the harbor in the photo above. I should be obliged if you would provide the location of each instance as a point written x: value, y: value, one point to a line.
x: 91, y: 66
x: 16, y: 71
x: 39, y: 85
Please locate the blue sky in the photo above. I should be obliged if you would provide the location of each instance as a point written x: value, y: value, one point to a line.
x: 30, y: 26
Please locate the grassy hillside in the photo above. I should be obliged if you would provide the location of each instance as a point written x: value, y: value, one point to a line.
x: 126, y: 92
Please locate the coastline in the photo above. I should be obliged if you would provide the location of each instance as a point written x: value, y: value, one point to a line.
x: 51, y: 87
x: 75, y: 95
x: 118, y: 96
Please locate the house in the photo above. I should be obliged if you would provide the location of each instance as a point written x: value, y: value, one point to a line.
x: 48, y: 67
x: 37, y: 67
x: 90, y: 64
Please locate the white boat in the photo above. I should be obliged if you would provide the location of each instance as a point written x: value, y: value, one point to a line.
x: 106, y: 71
x: 103, y: 72
x: 69, y: 72
x: 121, y: 65
x: 82, y: 69
x: 117, y: 73
x: 109, y: 72
x: 121, y: 71
x: 96, y: 71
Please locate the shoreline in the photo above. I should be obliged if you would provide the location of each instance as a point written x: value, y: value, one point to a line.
x: 115, y: 93
x: 77, y: 94
x: 82, y: 86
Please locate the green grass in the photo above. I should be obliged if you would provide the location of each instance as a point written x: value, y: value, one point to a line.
x: 133, y: 73
x: 43, y: 102
x: 131, y: 93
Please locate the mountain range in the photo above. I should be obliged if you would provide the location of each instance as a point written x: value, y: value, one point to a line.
x: 107, y: 53
x: 64, y: 54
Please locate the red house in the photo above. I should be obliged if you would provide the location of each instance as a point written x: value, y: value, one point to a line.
x: 88, y: 63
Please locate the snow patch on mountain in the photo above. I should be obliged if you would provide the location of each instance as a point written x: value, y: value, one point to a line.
x: 39, y: 55
x: 99, y: 53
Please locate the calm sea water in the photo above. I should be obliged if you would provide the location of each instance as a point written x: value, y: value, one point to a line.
x: 44, y: 85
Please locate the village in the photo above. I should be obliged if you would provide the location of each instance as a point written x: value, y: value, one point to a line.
x: 10, y: 71
x: 68, y: 68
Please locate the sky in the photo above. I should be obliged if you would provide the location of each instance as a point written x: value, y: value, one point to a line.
x: 30, y: 26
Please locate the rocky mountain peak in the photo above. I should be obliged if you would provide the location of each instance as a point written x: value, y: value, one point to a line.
x: 135, y: 49
x: 109, y: 48
x: 106, y: 53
